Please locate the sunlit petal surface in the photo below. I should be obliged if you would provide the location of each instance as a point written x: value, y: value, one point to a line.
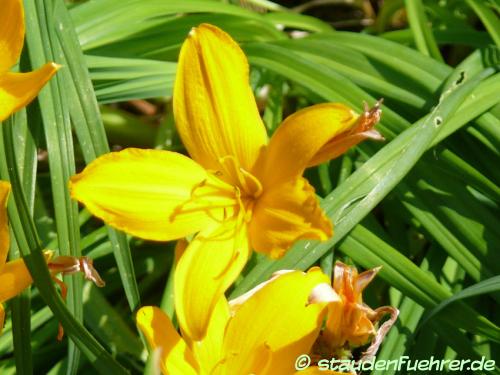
x: 11, y: 33
x: 215, y: 110
x: 173, y: 354
x: 211, y: 263
x: 153, y: 194
x: 17, y: 90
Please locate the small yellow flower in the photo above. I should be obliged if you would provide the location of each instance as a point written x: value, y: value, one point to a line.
x: 238, y: 192
x: 261, y: 333
x: 15, y: 276
x: 17, y: 89
x: 351, y: 323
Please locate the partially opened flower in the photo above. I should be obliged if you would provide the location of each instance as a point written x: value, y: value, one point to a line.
x: 350, y: 322
x: 17, y: 89
x: 261, y: 333
x: 238, y: 192
x: 15, y: 276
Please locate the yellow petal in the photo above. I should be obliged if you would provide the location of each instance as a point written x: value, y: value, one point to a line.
x: 174, y: 355
x: 284, y: 214
x: 208, y: 351
x: 361, y: 130
x: 14, y: 278
x: 153, y: 194
x: 17, y: 90
x: 279, y: 317
x: 4, y: 226
x: 211, y: 263
x: 11, y: 33
x: 299, y: 138
x: 2, y: 317
x: 237, y: 302
x: 214, y: 107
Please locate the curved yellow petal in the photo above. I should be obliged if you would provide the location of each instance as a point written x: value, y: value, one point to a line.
x: 4, y: 226
x: 299, y: 138
x: 286, y: 213
x: 211, y: 263
x: 174, y: 355
x: 153, y: 194
x: 208, y: 351
x: 14, y: 278
x: 11, y: 33
x: 214, y: 107
x: 279, y: 317
x: 17, y: 90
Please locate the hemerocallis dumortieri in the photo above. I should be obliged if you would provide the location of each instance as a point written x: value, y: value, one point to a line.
x: 351, y: 323
x: 15, y: 276
x: 238, y: 192
x: 262, y: 332
x: 17, y: 89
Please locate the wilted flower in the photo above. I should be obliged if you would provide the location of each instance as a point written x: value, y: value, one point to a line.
x: 351, y: 323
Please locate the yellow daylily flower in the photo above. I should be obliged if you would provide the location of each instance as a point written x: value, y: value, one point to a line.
x: 17, y: 89
x: 238, y: 192
x: 350, y: 322
x: 263, y: 332
x: 15, y: 276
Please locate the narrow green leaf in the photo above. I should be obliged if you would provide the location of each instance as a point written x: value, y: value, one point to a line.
x: 39, y: 318
x: 460, y: 36
x: 298, y: 21
x: 27, y: 162
x: 101, y: 22
x: 42, y: 47
x: 422, y: 32
x: 26, y: 235
x: 490, y: 285
x: 113, y: 329
x: 118, y: 79
x: 21, y: 328
x: 488, y: 17
x: 90, y: 132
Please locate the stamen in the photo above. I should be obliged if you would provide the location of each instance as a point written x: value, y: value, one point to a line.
x: 250, y: 183
x: 236, y: 175
x: 226, y: 235
x: 203, y: 198
x: 218, y: 199
x: 68, y: 265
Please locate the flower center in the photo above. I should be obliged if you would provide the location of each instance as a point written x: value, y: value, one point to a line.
x: 228, y: 193
x: 248, y: 187
x: 231, y: 172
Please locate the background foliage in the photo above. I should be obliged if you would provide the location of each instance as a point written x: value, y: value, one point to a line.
x: 423, y: 204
